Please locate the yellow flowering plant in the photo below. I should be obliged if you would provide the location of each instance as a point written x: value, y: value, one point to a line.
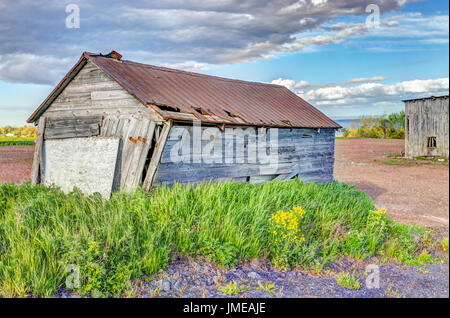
x: 381, y: 213
x: 285, y: 234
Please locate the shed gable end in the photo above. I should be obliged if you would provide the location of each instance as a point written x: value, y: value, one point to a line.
x: 93, y: 92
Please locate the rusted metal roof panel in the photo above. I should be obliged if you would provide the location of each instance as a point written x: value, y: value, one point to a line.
x: 181, y: 95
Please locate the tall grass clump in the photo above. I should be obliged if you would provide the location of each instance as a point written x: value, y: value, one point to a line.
x: 44, y: 231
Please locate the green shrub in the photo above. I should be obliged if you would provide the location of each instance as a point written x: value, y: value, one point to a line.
x: 385, y: 126
x: 43, y: 231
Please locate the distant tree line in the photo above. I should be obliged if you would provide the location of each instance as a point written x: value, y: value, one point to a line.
x: 24, y: 131
x: 386, y: 126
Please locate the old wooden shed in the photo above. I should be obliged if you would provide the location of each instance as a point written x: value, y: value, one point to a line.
x: 113, y: 124
x: 426, y: 132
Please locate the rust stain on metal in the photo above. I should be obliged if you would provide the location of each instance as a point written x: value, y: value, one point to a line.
x: 133, y: 140
x: 114, y: 55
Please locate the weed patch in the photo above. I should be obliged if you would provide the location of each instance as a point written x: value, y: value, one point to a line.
x: 444, y: 244
x: 268, y: 287
x: 348, y: 281
x: 233, y: 289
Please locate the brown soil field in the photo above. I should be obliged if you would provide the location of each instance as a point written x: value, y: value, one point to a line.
x: 15, y: 163
x: 413, y: 194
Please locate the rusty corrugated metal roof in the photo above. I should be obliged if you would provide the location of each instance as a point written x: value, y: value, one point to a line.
x: 181, y: 95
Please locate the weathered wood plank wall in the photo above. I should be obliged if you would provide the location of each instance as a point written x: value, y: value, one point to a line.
x: 308, y: 153
x: 427, y: 118
x: 72, y: 127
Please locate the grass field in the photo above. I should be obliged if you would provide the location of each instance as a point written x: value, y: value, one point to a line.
x: 16, y: 141
x: 43, y: 231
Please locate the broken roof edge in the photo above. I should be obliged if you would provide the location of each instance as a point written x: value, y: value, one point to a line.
x: 231, y: 124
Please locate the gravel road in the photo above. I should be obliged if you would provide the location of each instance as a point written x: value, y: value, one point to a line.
x: 187, y: 278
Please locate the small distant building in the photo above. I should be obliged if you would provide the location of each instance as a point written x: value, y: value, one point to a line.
x: 426, y: 127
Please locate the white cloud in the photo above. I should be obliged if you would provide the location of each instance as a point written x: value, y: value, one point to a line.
x: 334, y: 34
x: 366, y: 80
x: 375, y: 92
x: 30, y: 68
x: 188, y: 66
x: 289, y: 83
x: 367, y: 93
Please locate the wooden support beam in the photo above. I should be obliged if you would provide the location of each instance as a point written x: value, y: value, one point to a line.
x: 153, y: 166
x: 35, y: 178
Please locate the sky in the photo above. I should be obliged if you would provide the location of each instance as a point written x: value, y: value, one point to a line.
x: 339, y: 55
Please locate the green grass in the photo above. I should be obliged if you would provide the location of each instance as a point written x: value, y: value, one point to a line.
x: 432, y: 159
x: 406, y: 163
x: 16, y: 141
x: 43, y: 231
x: 348, y: 281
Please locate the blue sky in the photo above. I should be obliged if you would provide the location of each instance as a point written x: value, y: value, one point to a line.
x: 322, y: 50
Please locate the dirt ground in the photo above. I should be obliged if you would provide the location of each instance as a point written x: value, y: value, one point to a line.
x: 413, y: 194
x: 15, y: 163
